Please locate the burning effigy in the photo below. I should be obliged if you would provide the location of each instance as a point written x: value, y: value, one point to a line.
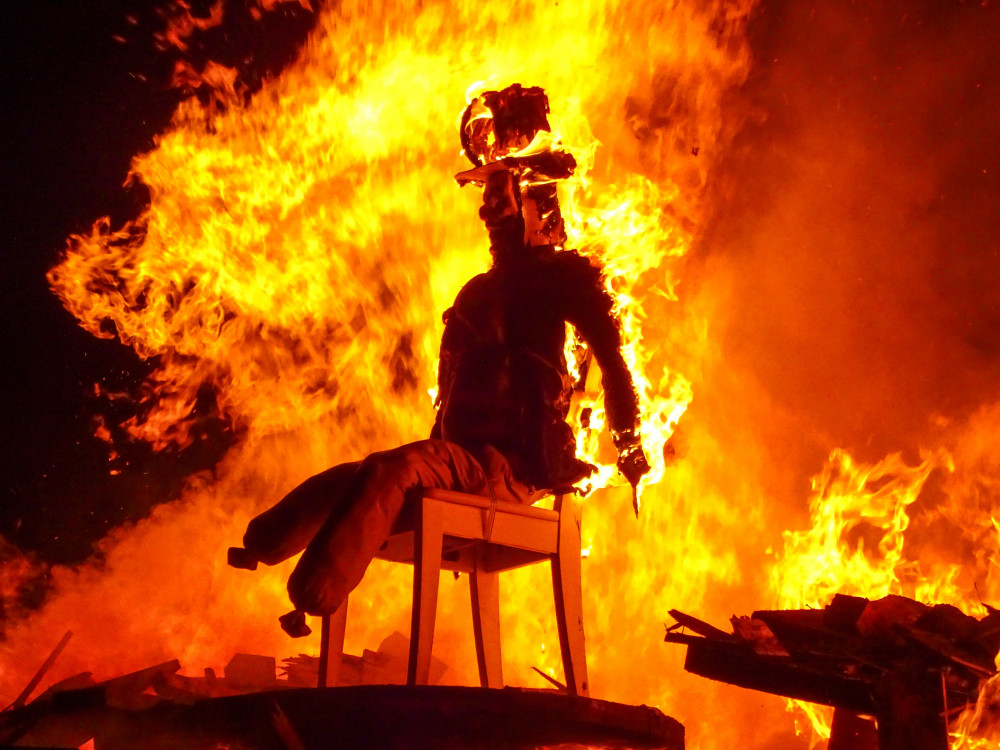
x: 501, y: 433
x: 504, y: 388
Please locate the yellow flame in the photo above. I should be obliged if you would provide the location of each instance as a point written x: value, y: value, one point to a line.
x: 836, y: 555
x: 865, y: 539
x: 296, y: 257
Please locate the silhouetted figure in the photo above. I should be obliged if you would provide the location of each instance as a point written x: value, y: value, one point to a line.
x: 502, y: 374
x: 504, y: 394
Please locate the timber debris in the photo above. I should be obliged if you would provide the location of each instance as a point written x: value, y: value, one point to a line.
x: 252, y: 707
x: 911, y: 666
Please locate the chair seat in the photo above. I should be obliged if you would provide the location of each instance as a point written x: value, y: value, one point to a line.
x: 480, y: 536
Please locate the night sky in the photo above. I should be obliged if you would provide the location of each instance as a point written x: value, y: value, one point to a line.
x: 79, y: 104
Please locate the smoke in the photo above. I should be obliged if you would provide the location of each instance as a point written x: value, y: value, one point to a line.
x: 856, y: 229
x: 851, y: 268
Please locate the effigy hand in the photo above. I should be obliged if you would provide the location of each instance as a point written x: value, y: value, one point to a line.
x: 633, y: 465
x: 632, y: 462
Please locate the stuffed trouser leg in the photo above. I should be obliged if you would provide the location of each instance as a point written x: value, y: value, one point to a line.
x: 336, y: 559
x: 286, y: 528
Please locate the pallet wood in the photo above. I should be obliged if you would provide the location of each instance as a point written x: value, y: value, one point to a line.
x: 894, y: 658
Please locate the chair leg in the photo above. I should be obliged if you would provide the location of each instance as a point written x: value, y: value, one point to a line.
x: 427, y: 542
x: 484, y: 588
x: 568, y: 590
x: 331, y: 646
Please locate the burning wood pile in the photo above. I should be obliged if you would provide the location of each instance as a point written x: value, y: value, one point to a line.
x: 251, y: 706
x: 912, y: 666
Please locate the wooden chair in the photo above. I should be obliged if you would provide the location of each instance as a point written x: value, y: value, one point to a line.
x: 482, y: 537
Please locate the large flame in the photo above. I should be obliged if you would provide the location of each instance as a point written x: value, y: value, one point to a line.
x: 884, y: 529
x: 294, y: 262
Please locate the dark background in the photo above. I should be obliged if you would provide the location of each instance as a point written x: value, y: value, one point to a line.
x: 78, y: 104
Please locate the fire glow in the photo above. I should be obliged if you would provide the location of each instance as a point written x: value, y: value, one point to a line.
x: 296, y: 257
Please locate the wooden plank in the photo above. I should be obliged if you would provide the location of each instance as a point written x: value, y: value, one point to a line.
x: 397, y: 548
x: 697, y: 626
x: 464, y: 498
x: 531, y: 534
x: 426, y: 574
x: 909, y: 709
x: 737, y: 664
x: 324, y: 651
x: 338, y: 629
x: 128, y: 691
x: 463, y: 520
x: 568, y: 590
x: 484, y: 591
x: 42, y: 670
x: 507, y: 558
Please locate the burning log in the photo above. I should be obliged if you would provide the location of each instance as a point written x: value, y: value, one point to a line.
x: 373, y: 716
x: 901, y: 661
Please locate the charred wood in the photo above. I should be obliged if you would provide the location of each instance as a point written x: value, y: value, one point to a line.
x: 46, y: 666
x: 851, y: 731
x: 895, y: 658
x: 379, y: 716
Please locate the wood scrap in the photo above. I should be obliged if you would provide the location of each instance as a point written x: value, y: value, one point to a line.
x: 129, y: 690
x: 42, y: 670
x: 697, y: 626
x: 903, y: 661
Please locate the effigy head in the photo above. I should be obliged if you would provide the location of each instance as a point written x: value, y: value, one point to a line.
x: 509, y: 131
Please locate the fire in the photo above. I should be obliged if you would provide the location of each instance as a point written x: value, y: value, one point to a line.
x: 295, y: 259
x: 294, y: 262
x: 855, y: 545
x: 884, y: 529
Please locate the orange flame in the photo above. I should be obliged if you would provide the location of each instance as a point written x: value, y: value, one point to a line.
x: 295, y: 259
x: 881, y: 529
